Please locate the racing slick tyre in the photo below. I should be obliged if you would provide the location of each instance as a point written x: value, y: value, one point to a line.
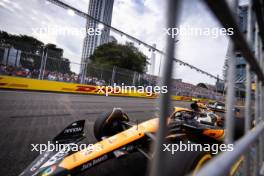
x: 109, y: 124
x: 182, y: 163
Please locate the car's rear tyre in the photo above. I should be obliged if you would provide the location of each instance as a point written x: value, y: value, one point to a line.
x: 109, y: 123
x: 186, y: 162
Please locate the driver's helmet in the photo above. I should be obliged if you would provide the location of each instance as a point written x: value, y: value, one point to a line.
x: 201, y: 105
x: 195, y: 106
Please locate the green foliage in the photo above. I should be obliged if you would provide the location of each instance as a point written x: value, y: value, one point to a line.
x: 21, y: 42
x: 123, y: 56
x: 32, y: 50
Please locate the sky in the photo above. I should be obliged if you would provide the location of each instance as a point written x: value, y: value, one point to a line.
x: 144, y: 19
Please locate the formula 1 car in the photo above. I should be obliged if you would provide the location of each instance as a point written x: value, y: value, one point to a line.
x: 118, y: 136
x: 217, y: 106
x: 220, y: 108
x: 204, y: 116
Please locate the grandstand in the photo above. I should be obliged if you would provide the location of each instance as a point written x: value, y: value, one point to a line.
x: 179, y: 88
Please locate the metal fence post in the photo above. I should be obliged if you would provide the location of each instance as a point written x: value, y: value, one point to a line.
x: 229, y: 138
x: 82, y: 71
x: 256, y: 118
x: 260, y: 120
x: 113, y: 76
x: 230, y: 96
x: 44, y: 65
x: 262, y: 115
x: 247, y: 162
x: 41, y: 64
x: 134, y: 78
x: 84, y: 66
x: 260, y: 104
x: 157, y: 165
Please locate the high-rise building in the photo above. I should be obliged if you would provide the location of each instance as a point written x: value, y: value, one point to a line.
x: 240, y: 62
x: 101, y: 10
x: 240, y: 70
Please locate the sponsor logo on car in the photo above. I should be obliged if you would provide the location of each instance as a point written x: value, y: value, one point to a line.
x: 73, y: 130
x: 49, y: 171
x: 58, y: 156
x: 94, y: 162
x: 39, y: 162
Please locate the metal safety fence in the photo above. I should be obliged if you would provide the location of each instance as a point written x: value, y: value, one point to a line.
x: 48, y: 63
x: 36, y: 64
x: 252, y: 140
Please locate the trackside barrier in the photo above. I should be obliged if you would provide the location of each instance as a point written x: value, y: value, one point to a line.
x: 220, y: 165
x: 18, y: 83
x: 10, y: 82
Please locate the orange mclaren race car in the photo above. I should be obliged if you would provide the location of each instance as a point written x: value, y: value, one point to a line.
x: 117, y: 136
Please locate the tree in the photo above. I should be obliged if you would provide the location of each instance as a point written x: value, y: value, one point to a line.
x: 32, y: 49
x: 123, y: 56
x: 21, y: 42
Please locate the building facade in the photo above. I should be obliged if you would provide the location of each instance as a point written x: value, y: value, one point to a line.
x: 240, y: 63
x: 101, y: 10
